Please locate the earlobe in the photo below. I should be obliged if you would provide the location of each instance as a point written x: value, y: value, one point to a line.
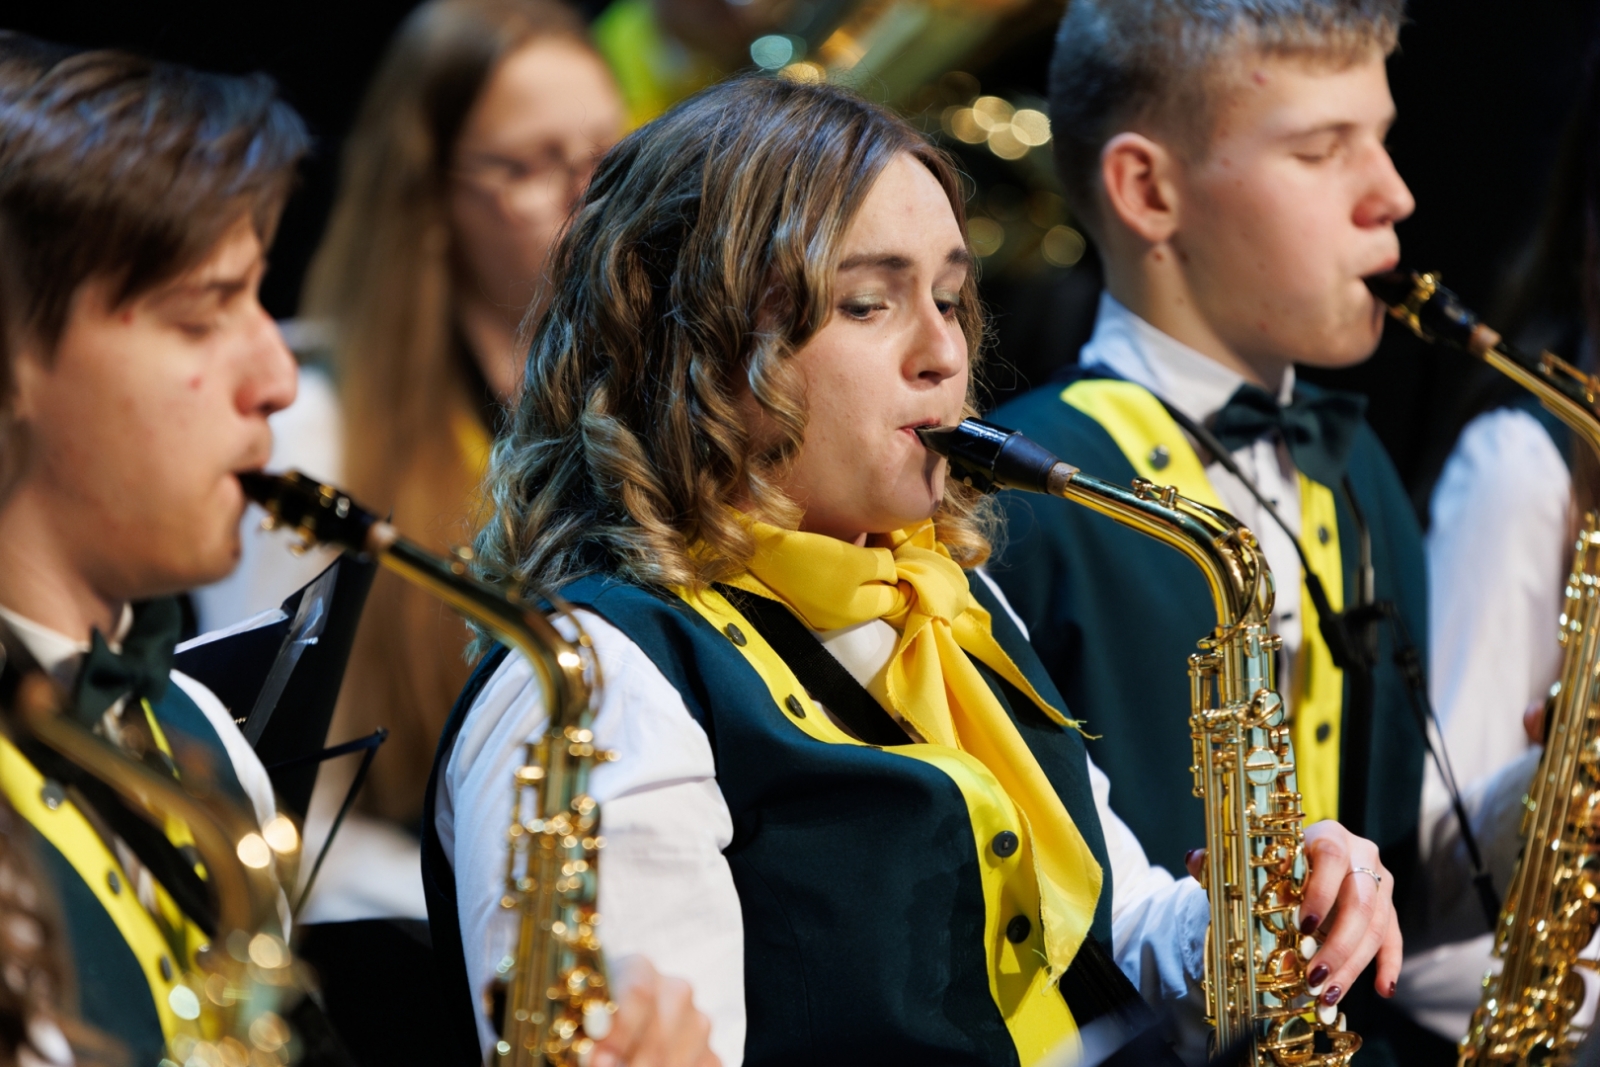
x: 1136, y: 173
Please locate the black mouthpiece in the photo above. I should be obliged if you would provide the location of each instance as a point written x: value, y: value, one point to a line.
x: 1393, y: 287
x: 990, y: 457
x: 1431, y: 310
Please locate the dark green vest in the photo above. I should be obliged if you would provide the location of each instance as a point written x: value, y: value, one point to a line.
x: 118, y: 989
x: 1114, y: 615
x: 857, y: 876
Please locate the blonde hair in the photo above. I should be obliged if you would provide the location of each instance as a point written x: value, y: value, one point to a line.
x: 700, y: 259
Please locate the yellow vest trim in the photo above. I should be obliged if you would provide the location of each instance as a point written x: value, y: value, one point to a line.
x: 1139, y: 425
x: 1319, y: 698
x: 1035, y: 1013
x: 66, y: 828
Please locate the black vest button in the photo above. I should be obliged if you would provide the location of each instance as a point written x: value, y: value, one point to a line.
x: 792, y: 702
x: 1018, y: 929
x: 1004, y: 844
x: 166, y: 968
x: 735, y: 635
x: 1323, y: 730
x: 113, y: 882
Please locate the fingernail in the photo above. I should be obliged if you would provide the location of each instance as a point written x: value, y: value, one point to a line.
x: 1190, y: 856
x: 1316, y: 977
x: 1392, y: 986
x: 1309, y: 924
x: 1332, y: 995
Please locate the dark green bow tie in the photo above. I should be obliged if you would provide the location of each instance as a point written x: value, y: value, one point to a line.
x: 140, y: 671
x: 1319, y: 427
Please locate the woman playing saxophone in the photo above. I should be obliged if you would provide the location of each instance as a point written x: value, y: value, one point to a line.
x: 849, y: 806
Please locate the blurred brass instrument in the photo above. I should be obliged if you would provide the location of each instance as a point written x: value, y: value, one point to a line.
x: 552, y: 997
x: 233, y: 1006
x: 1244, y: 767
x: 1553, y: 903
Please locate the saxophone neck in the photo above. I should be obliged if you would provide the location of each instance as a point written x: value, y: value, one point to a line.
x: 1226, y: 552
x: 1436, y: 314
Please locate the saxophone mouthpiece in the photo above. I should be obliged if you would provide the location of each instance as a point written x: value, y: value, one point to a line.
x: 989, y: 457
x: 1432, y: 312
x: 1393, y: 287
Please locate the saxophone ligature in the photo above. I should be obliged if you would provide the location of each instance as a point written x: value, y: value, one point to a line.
x: 1551, y: 909
x: 1244, y: 768
x: 233, y: 996
x: 552, y: 997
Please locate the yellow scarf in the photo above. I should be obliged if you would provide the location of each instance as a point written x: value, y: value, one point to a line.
x: 916, y: 587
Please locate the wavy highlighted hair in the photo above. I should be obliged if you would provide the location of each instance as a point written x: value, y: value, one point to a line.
x: 700, y: 259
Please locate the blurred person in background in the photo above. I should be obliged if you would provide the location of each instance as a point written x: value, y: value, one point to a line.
x: 476, y: 137
x: 1503, y: 517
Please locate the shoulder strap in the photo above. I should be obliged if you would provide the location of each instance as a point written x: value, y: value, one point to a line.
x: 823, y: 676
x: 1093, y: 986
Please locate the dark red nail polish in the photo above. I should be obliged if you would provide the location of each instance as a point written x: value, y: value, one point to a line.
x: 1309, y: 923
x: 1331, y: 995
x: 1392, y: 987
x: 1318, y: 975
x: 1190, y: 856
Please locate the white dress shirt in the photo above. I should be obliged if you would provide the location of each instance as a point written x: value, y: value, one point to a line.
x: 1497, y: 549
x: 665, y: 887
x: 1199, y: 386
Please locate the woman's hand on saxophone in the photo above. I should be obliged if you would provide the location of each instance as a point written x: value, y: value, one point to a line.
x: 1349, y: 905
x: 656, y: 1024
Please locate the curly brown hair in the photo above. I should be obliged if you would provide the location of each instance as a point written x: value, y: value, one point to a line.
x: 700, y: 259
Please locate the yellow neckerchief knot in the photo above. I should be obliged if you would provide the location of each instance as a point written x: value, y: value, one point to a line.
x: 930, y: 682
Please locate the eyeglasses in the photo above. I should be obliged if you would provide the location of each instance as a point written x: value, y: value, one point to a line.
x: 513, y: 181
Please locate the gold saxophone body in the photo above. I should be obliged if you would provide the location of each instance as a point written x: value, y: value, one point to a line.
x: 233, y: 1001
x: 552, y: 995
x: 1553, y: 903
x: 1244, y: 768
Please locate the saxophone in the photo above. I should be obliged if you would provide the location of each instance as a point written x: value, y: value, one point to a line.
x: 552, y: 996
x: 233, y: 1001
x: 1244, y: 768
x: 1553, y: 904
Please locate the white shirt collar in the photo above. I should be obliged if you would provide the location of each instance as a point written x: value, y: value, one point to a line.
x: 56, y: 653
x: 1190, y: 381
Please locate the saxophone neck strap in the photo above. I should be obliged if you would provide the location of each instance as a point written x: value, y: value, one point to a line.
x: 1352, y: 639
x: 814, y: 666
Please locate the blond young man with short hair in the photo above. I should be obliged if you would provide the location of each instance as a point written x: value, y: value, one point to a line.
x: 1228, y: 159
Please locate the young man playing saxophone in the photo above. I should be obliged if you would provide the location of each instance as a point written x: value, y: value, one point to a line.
x: 137, y: 372
x: 1229, y: 161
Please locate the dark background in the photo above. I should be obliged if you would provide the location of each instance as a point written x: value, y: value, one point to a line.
x: 1483, y: 88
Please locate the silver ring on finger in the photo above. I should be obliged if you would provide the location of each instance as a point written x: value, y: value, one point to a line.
x: 1376, y: 877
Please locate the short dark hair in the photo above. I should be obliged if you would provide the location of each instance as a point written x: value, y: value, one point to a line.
x: 116, y: 165
x: 1119, y: 62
